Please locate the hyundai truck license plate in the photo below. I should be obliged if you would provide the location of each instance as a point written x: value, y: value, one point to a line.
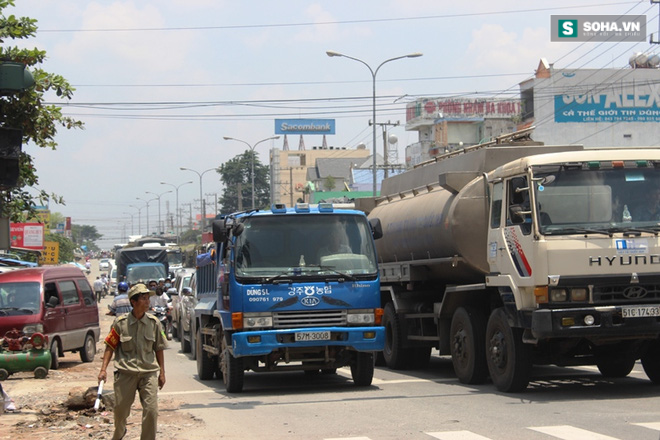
x: 640, y: 311
x: 312, y: 336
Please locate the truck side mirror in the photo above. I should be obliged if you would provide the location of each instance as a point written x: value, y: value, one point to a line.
x: 219, y: 231
x: 376, y: 228
x: 187, y: 291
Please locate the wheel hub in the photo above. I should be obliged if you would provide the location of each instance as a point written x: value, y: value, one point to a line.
x: 459, y: 343
x: 497, y: 350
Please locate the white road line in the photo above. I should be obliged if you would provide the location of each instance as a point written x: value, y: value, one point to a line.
x: 655, y: 426
x: 456, y: 435
x: 179, y: 393
x: 348, y: 438
x: 566, y: 432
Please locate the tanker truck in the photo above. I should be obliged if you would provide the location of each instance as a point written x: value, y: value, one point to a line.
x: 509, y: 256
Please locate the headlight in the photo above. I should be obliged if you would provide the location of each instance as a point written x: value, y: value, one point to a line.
x: 579, y: 294
x: 33, y: 328
x: 257, y: 320
x: 558, y: 295
x: 360, y: 317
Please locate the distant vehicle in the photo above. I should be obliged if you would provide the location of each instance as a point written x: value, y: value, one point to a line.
x: 104, y: 264
x: 182, y: 280
x: 113, y: 281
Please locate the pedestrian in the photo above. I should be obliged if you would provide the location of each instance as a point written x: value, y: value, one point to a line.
x: 137, y: 342
x: 98, y: 288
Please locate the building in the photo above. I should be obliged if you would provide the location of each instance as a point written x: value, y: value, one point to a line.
x: 292, y: 170
x: 594, y: 107
x: 445, y: 124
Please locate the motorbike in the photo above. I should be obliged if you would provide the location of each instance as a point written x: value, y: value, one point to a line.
x: 164, y: 316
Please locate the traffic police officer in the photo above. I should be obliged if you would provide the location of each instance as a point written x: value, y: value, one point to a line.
x: 137, y: 341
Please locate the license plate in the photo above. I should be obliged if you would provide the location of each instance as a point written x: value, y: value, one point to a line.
x: 640, y: 311
x: 312, y: 336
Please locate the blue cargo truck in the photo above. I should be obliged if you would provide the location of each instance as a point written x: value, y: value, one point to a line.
x: 294, y: 289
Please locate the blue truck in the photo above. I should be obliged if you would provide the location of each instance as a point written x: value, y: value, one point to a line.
x: 141, y: 264
x: 289, y: 289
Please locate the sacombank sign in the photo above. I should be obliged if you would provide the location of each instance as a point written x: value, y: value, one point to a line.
x: 304, y: 126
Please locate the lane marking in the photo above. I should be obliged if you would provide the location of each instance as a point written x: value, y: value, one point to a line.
x: 456, y: 435
x: 566, y: 432
x: 653, y: 425
x: 179, y: 393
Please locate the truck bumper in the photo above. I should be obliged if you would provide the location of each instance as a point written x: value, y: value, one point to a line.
x: 608, y: 323
x: 267, y: 341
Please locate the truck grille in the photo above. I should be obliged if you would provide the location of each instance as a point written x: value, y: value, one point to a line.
x: 628, y: 294
x: 318, y: 318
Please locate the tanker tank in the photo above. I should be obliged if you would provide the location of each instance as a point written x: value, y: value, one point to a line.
x: 441, y: 227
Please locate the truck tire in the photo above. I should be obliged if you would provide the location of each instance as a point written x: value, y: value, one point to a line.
x: 54, y: 357
x: 185, y: 343
x: 611, y: 366
x: 651, y: 362
x: 362, y: 369
x: 396, y: 357
x: 232, y: 370
x: 193, y: 343
x: 509, y: 362
x: 88, y: 350
x: 468, y: 345
x: 205, y: 365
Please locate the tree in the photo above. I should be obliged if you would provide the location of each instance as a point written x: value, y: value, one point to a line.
x: 85, y: 235
x: 27, y: 111
x: 330, y: 183
x: 238, y: 170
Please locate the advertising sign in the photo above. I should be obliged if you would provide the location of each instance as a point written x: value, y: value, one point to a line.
x: 27, y: 235
x: 304, y: 126
x: 462, y: 108
x: 611, y: 105
x: 51, y: 253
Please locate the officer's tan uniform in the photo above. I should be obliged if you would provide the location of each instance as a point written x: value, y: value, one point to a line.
x: 135, y: 342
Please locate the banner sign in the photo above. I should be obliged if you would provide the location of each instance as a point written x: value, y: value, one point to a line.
x: 611, y: 106
x: 462, y: 108
x: 304, y: 126
x: 27, y: 235
x: 611, y: 28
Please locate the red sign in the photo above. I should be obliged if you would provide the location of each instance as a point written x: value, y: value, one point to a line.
x: 27, y: 235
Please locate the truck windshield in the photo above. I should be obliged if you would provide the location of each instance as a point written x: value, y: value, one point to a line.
x: 140, y: 273
x: 19, y: 298
x: 329, y: 245
x: 584, y: 198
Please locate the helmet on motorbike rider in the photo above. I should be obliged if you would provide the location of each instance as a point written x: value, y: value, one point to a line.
x: 123, y: 286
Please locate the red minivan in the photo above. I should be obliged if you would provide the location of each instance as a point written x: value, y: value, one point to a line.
x: 55, y: 300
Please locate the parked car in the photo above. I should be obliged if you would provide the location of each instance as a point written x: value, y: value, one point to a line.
x: 56, y: 301
x: 186, y: 330
x: 113, y: 281
x: 104, y: 264
x: 182, y: 279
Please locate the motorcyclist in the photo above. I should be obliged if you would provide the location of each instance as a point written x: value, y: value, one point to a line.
x: 160, y: 299
x: 121, y: 304
x: 106, y: 283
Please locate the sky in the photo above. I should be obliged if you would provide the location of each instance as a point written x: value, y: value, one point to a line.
x: 160, y: 83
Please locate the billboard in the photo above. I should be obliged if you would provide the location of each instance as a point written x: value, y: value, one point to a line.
x: 27, y: 235
x: 304, y: 126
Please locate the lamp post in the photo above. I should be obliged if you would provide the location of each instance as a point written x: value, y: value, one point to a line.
x: 147, y: 202
x: 178, y: 217
x: 128, y: 213
x: 331, y: 53
x: 201, y: 196
x: 158, y: 196
x: 139, y: 218
x: 227, y: 138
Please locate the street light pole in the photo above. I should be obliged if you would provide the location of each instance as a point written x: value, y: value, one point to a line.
x: 139, y: 218
x: 331, y: 53
x: 178, y: 216
x: 227, y: 138
x: 147, y: 202
x: 201, y: 196
x: 158, y: 196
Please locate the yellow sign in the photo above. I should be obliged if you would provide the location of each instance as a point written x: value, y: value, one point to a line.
x: 51, y: 253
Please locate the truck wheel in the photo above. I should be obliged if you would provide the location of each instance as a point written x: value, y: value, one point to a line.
x: 185, y: 344
x: 610, y: 366
x: 54, y: 358
x: 205, y: 366
x: 468, y: 345
x: 193, y: 343
x: 362, y: 369
x: 232, y: 370
x: 651, y: 362
x: 88, y: 350
x: 508, y: 358
x: 40, y: 373
x: 4, y: 374
x: 396, y: 357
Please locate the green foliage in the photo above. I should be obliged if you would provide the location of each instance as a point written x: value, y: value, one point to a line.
x: 330, y: 183
x: 191, y: 236
x: 28, y: 112
x: 239, y: 170
x: 66, y: 246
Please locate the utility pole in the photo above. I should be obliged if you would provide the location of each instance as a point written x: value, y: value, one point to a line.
x: 384, y: 125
